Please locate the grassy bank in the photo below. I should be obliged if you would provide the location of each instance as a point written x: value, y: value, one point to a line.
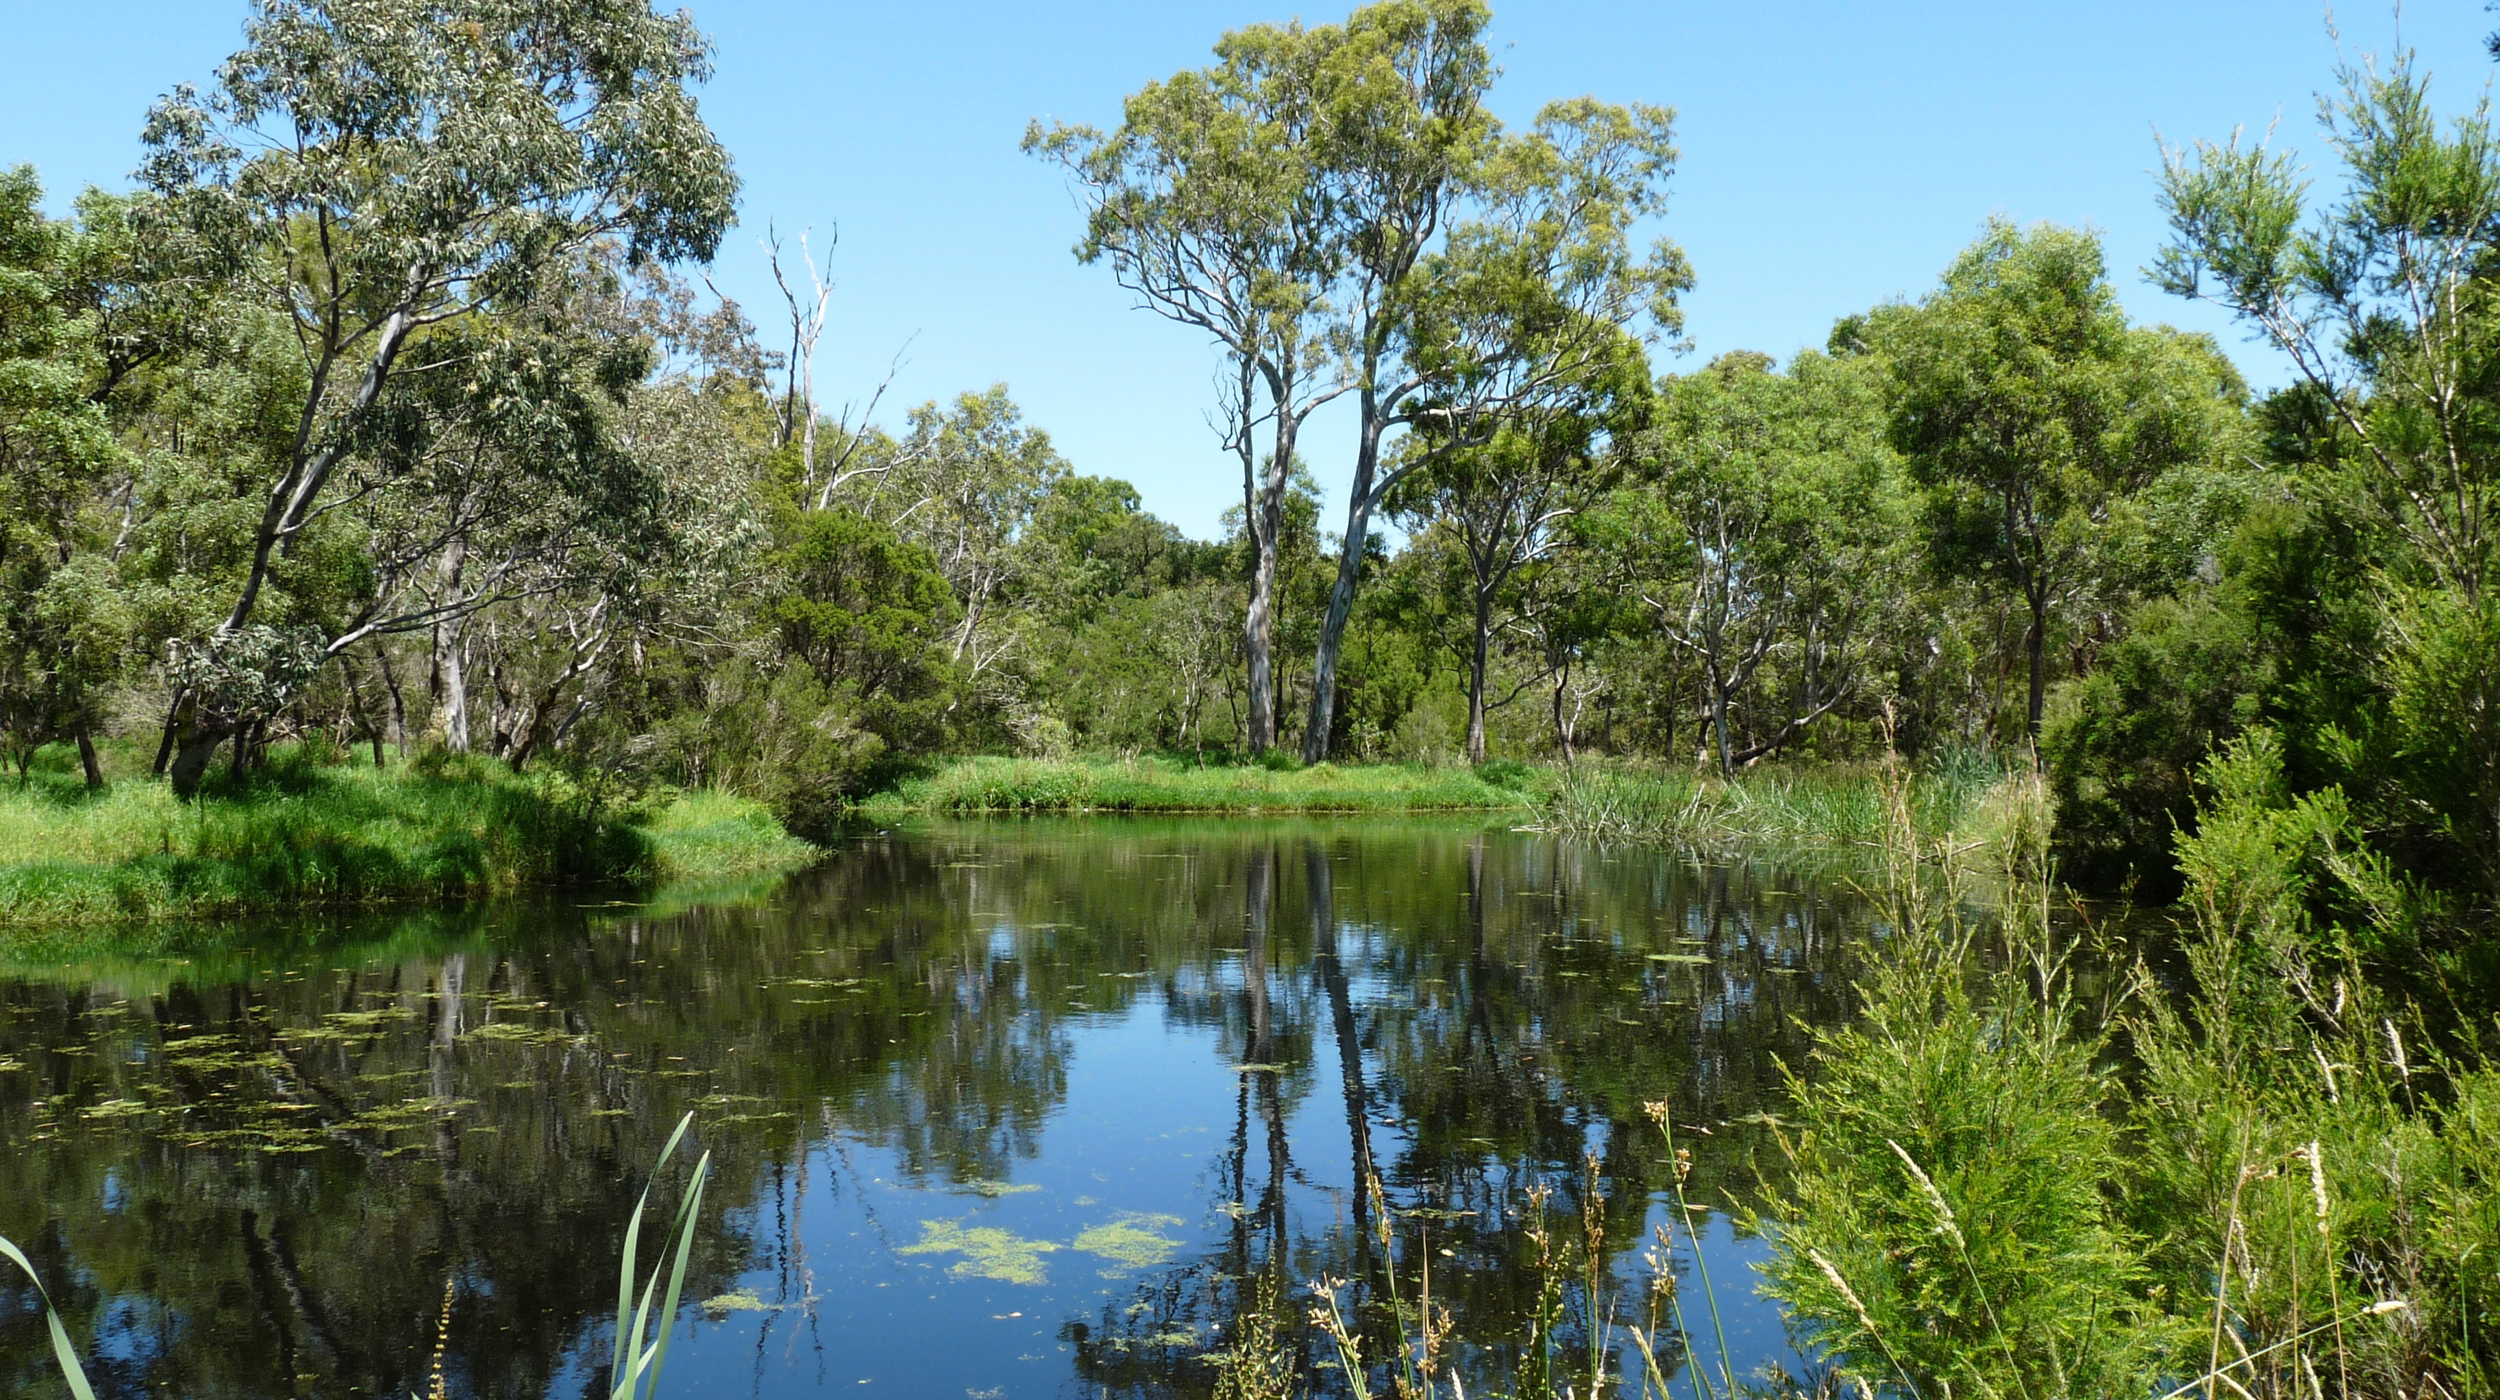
x: 307, y: 834
x: 977, y: 785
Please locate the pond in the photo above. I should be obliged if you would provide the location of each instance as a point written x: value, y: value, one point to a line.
x: 995, y: 1110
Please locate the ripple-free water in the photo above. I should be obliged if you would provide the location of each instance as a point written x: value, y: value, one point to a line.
x: 996, y: 1110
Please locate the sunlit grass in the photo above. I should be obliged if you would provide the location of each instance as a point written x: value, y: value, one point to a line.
x: 976, y: 785
x: 310, y: 834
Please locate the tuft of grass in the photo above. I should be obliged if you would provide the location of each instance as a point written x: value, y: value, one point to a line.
x: 310, y: 835
x: 996, y: 785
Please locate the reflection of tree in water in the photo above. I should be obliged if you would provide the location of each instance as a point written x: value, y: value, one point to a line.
x: 1507, y: 1024
x: 253, y: 1180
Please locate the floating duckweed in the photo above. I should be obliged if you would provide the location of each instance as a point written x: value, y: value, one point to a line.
x: 737, y: 1300
x: 520, y: 1031
x: 988, y: 1252
x: 1131, y: 1241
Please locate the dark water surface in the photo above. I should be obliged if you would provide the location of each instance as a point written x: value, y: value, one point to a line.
x: 996, y: 1110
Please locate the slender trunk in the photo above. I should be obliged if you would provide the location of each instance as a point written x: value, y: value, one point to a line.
x: 87, y: 759
x: 449, y: 662
x: 2035, y: 648
x: 1562, y: 723
x: 356, y: 708
x: 1478, y: 661
x: 399, y: 703
x: 1718, y: 718
x: 173, y: 731
x: 1359, y: 504
x: 291, y: 499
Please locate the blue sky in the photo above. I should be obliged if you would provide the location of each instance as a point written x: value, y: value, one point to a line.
x: 1834, y: 156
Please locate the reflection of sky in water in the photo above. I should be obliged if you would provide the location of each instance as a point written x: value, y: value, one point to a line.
x: 983, y: 1098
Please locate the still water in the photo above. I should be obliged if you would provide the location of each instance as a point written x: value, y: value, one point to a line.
x: 996, y: 1110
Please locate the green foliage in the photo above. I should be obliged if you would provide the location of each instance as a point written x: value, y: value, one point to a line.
x: 865, y: 612
x: 2036, y: 415
x: 2295, y: 1184
x: 1948, y: 1228
x: 1757, y: 505
x: 66, y: 624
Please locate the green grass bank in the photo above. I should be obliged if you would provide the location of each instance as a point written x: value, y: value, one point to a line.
x: 308, y: 834
x: 972, y: 786
x: 1824, y: 816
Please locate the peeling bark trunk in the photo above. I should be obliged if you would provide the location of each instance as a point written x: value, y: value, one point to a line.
x: 1266, y: 520
x: 447, y: 658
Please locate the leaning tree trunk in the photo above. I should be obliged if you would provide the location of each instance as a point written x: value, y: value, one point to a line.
x: 1359, y: 503
x: 87, y: 759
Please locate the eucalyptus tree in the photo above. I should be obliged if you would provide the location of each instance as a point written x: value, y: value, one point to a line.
x: 1206, y: 205
x: 397, y: 182
x: 1502, y: 506
x: 1488, y: 273
x: 1762, y: 521
x: 965, y: 483
x: 2032, y: 412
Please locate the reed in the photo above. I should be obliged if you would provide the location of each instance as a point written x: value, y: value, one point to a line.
x: 1830, y: 818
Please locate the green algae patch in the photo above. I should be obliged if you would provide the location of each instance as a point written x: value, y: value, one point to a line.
x: 992, y: 1190
x: 1131, y: 1242
x: 988, y: 1252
